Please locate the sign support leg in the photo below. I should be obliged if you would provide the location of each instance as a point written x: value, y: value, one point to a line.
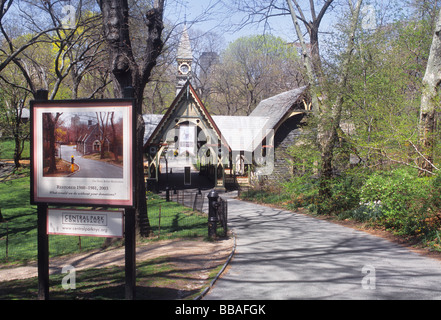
x: 130, y: 254
x: 43, y: 254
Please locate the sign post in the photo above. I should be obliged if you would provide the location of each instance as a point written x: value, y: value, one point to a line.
x: 92, y: 223
x: 43, y: 254
x: 130, y: 254
x: 42, y: 236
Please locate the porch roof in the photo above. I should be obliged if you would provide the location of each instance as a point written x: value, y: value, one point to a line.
x: 242, y: 133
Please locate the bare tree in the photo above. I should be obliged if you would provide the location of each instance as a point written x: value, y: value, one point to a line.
x: 127, y: 72
x: 49, y: 59
x: 328, y: 111
x: 50, y: 122
x: 103, y: 129
x: 11, y: 50
x: 13, y: 119
x: 252, y: 69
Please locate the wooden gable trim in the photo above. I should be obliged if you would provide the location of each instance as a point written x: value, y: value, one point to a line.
x: 209, y: 118
x: 292, y: 111
x: 166, y: 118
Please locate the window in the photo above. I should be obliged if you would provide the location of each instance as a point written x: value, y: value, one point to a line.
x: 96, y: 146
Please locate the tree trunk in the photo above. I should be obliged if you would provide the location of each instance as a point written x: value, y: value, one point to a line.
x: 331, y: 115
x: 128, y: 73
x: 429, y: 101
x: 427, y: 129
x: 51, y: 123
x: 114, y: 138
x: 327, y: 135
x: 17, y: 152
x: 327, y: 112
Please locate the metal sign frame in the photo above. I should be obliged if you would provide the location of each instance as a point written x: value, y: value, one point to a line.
x: 98, y: 190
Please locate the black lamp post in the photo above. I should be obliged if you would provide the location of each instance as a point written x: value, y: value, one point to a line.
x: 213, y: 205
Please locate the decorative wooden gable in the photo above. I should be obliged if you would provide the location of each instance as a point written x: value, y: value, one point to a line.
x: 187, y: 108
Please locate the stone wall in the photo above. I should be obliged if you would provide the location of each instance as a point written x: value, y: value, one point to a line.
x: 285, y: 136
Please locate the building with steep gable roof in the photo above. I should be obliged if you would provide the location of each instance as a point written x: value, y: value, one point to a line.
x: 230, y: 150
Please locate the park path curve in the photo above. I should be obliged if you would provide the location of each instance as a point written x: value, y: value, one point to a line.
x: 90, y: 168
x: 282, y: 255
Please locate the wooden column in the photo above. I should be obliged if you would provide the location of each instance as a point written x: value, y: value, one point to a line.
x: 130, y: 254
x: 42, y: 237
x: 43, y: 253
x: 130, y: 229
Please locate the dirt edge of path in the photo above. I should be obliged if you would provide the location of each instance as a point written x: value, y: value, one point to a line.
x: 204, y: 255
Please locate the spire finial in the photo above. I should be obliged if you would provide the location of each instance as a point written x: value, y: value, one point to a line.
x: 184, y: 47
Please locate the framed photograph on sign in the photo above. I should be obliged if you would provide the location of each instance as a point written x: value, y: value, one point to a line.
x: 82, y: 152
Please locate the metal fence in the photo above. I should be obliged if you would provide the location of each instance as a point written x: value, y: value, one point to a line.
x: 189, y: 198
x: 195, y: 199
x: 222, y: 215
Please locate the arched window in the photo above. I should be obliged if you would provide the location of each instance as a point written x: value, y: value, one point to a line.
x: 96, y: 146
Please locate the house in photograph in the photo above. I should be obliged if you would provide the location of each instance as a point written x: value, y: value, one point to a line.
x: 89, y: 142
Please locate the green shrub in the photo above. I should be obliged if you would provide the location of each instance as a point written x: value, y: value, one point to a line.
x: 399, y: 199
x: 303, y: 191
x: 344, y: 193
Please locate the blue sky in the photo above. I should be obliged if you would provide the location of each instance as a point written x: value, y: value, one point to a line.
x: 193, y: 9
x: 179, y: 10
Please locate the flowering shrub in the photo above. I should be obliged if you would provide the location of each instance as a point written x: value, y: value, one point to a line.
x: 400, y: 198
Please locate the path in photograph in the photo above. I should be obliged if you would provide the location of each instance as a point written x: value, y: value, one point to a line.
x: 90, y: 168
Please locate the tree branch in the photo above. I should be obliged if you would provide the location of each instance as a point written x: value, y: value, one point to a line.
x: 421, y: 155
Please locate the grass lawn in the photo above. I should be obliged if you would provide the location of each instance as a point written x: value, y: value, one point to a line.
x: 7, y: 148
x: 18, y: 235
x: 156, y: 279
x: 170, y: 220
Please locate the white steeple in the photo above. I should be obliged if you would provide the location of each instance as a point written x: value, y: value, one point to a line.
x: 184, y: 58
x: 184, y: 48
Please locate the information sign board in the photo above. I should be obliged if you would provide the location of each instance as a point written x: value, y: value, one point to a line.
x: 82, y: 153
x: 95, y: 223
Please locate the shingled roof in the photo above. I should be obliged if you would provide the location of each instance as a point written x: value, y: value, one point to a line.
x: 276, y: 107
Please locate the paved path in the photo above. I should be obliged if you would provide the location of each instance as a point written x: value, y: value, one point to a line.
x: 283, y: 255
x: 90, y: 168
